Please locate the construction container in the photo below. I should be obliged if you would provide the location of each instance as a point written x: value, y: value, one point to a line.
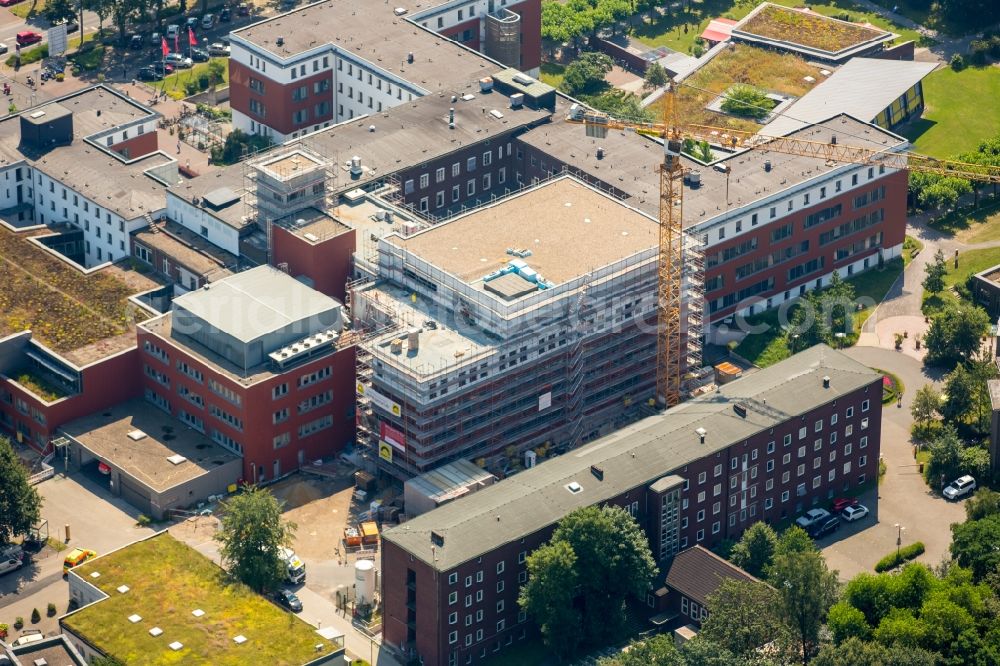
x: 352, y: 537
x: 726, y: 372
x: 364, y: 481
x: 369, y: 533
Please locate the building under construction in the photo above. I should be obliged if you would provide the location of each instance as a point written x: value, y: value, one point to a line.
x: 517, y: 329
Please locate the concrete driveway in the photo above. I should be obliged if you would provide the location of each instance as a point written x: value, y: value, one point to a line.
x: 903, y: 496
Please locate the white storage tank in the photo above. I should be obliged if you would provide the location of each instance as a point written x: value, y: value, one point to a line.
x: 364, y: 581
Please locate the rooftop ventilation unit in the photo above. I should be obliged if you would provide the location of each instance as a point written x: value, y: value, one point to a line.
x: 437, y: 539
x: 176, y: 459
x: 701, y: 432
x: 136, y: 435
x: 598, y: 472
x: 740, y: 410
x: 280, y: 41
x: 574, y: 487
x: 826, y: 381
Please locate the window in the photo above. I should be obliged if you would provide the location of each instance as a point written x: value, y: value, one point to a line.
x: 439, y: 175
x: 282, y: 440
x: 279, y: 390
x: 701, y: 478
x: 470, y: 188
x: 453, y: 637
x: 864, y: 406
x: 784, y: 496
x: 700, y: 536
x: 500, y: 567
x: 425, y: 180
x: 470, y: 164
x: 487, y: 158
x: 452, y: 578
x: 499, y: 586
x: 479, y: 576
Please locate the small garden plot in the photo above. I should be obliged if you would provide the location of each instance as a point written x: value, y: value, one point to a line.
x: 808, y: 29
x: 747, y: 101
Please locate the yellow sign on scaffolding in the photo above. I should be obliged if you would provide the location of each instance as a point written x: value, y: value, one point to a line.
x: 385, y: 451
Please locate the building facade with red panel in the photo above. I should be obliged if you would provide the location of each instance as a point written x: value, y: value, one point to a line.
x: 255, y: 362
x: 326, y: 63
x: 766, y: 447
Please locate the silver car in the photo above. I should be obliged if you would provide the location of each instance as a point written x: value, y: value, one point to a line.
x: 960, y: 487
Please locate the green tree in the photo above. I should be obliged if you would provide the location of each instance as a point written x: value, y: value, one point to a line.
x: 656, y: 651
x: 621, y: 104
x: 946, y: 452
x: 655, y: 77
x: 808, y: 326
x: 954, y: 335
x: 926, y: 404
x: 960, y: 389
x: 755, y: 549
x: 216, y: 71
x: 60, y: 9
x: 547, y: 597
x: 795, y: 540
x: 586, y: 73
x: 252, y: 535
x: 855, y: 652
x: 20, y: 505
x: 974, y: 545
x: 238, y: 146
x: 984, y: 503
x: 974, y: 460
x: 123, y: 12
x: 613, y: 561
x: 748, y: 101
x: 845, y: 621
x: 742, y: 617
x: 701, y: 652
x: 808, y: 590
x: 935, y: 272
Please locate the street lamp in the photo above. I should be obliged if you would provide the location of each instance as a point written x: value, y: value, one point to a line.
x: 899, y: 537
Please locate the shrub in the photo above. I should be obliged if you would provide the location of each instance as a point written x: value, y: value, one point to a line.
x: 957, y: 62
x: 143, y: 520
x: 697, y: 50
x: 995, y: 46
x: 51, y: 610
x: 748, y: 101
x: 18, y: 622
x: 60, y: 77
x: 978, y: 51
x: 896, y: 558
x: 4, y: 630
x: 36, y: 617
x: 203, y: 81
x: 191, y: 88
x: 925, y: 431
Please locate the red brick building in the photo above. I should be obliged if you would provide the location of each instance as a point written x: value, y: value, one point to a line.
x: 325, y: 63
x: 255, y: 362
x: 766, y: 447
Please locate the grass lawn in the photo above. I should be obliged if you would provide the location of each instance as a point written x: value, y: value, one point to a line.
x: 174, y: 84
x: 168, y: 580
x: 769, y: 347
x: 971, y: 226
x: 969, y: 263
x: 955, y: 118
x: 669, y: 30
x: 911, y: 247
x: 29, y: 8
x: 891, y: 393
x: 552, y: 74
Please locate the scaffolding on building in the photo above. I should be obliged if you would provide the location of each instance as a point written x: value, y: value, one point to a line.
x: 281, y: 183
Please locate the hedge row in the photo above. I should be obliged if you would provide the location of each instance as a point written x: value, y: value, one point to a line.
x: 896, y: 558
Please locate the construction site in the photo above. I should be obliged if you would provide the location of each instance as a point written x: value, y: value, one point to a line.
x: 497, y: 338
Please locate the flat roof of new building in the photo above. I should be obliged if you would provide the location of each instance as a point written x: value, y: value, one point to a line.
x: 631, y: 163
x: 256, y: 302
x: 51, y: 651
x: 437, y: 62
x: 313, y: 225
x: 141, y: 439
x: 288, y: 165
x: 109, y: 180
x: 633, y: 456
x: 862, y: 88
x: 570, y: 228
x: 198, y: 191
x: 167, y: 581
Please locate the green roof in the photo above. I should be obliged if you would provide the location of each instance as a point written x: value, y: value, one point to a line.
x: 167, y: 580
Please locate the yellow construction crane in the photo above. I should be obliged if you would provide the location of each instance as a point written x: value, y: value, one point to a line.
x: 670, y: 337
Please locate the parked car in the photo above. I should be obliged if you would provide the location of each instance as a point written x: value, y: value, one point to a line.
x: 225, y: 15
x: 810, y: 517
x: 26, y: 37
x: 208, y: 21
x: 243, y: 9
x: 27, y: 637
x: 178, y: 60
x: 824, y: 526
x: 218, y: 49
x: 199, y: 55
x: 147, y: 74
x: 192, y: 22
x: 76, y: 557
x: 8, y: 3
x: 71, y: 24
x: 10, y: 564
x: 288, y: 599
x: 161, y: 69
x: 155, y: 39
x: 173, y: 30
x: 135, y: 43
x: 841, y: 503
x: 852, y: 513
x: 3, y: 48
x: 960, y: 487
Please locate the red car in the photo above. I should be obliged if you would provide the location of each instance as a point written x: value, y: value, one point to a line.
x: 27, y: 37
x: 842, y: 503
x: 8, y: 3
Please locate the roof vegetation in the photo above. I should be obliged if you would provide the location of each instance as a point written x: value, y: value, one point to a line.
x: 64, y: 309
x: 168, y: 580
x: 807, y: 28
